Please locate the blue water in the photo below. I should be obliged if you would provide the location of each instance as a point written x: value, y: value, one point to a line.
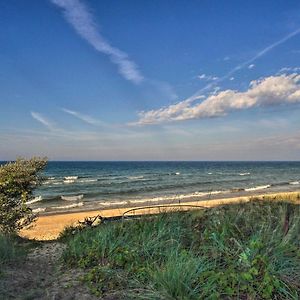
x: 85, y: 185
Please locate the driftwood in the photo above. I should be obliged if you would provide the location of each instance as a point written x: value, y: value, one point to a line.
x: 166, y: 206
x: 286, y: 225
x: 91, y: 221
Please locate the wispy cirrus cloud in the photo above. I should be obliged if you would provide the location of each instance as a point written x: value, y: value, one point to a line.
x: 78, y: 15
x: 43, y: 120
x: 181, y: 110
x: 289, y: 69
x: 273, y: 90
x: 207, y: 77
x: 83, y: 117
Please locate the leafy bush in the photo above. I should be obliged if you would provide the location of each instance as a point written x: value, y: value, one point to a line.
x: 17, y: 182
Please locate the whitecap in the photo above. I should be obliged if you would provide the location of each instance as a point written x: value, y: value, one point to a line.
x: 34, y: 200
x: 69, y: 181
x: 71, y: 177
x: 114, y: 203
x: 256, y: 188
x: 71, y: 198
x: 68, y: 206
x: 294, y: 182
x: 135, y: 177
x: 86, y: 180
x: 39, y: 209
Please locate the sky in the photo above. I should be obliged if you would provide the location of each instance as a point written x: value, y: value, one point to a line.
x: 150, y: 80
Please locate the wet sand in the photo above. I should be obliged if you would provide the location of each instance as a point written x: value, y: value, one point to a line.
x: 48, y: 227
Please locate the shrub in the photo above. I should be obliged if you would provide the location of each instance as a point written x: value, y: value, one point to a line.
x: 17, y: 181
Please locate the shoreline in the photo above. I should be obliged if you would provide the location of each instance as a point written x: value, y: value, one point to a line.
x: 48, y: 226
x: 83, y: 206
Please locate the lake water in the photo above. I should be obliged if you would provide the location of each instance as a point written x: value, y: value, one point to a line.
x: 86, y: 185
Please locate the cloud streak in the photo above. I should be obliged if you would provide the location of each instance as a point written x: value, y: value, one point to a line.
x: 273, y: 90
x: 78, y: 16
x: 177, y: 111
x: 85, y: 118
x: 43, y: 120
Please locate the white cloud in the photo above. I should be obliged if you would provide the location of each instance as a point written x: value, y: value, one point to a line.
x: 231, y: 78
x: 85, y: 118
x: 207, y: 77
x: 78, y: 15
x: 173, y: 111
x: 251, y: 66
x: 43, y: 120
x: 273, y: 90
x: 289, y: 69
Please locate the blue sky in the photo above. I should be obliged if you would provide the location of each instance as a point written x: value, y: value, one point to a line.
x: 150, y: 80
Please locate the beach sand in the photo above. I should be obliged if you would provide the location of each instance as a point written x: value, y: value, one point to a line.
x: 48, y: 227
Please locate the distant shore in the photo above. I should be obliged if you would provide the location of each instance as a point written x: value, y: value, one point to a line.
x: 48, y: 227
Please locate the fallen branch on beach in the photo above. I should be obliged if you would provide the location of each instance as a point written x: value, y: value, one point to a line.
x: 91, y: 221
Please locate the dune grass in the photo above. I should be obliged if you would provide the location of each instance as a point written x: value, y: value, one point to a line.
x: 10, y: 250
x: 241, y: 251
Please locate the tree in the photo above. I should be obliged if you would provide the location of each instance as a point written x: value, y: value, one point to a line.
x: 17, y: 181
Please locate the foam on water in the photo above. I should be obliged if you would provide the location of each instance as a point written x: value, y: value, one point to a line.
x: 256, y: 188
x: 80, y: 204
x: 72, y: 198
x: 38, y: 210
x: 34, y: 200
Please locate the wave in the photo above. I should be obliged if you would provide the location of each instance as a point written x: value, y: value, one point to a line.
x: 39, y: 209
x: 114, y: 203
x: 71, y: 198
x: 71, y: 177
x: 69, y: 181
x: 177, y: 198
x: 66, y: 206
x: 244, y: 174
x: 88, y: 180
x: 259, y: 187
x: 34, y: 200
x: 135, y: 177
x: 294, y: 182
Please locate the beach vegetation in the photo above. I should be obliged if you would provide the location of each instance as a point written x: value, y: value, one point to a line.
x: 17, y: 182
x: 12, y: 249
x: 237, y: 251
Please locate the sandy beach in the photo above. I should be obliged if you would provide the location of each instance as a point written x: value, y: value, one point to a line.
x: 48, y: 227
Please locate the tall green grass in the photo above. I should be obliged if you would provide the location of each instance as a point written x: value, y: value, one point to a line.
x: 10, y: 250
x: 244, y: 251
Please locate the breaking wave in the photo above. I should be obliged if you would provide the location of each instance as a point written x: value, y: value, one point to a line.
x: 71, y: 198
x: 67, y: 206
x: 34, y: 200
x: 256, y: 188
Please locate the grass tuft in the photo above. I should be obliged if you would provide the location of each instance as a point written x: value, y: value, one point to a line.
x: 242, y: 251
x: 10, y: 249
